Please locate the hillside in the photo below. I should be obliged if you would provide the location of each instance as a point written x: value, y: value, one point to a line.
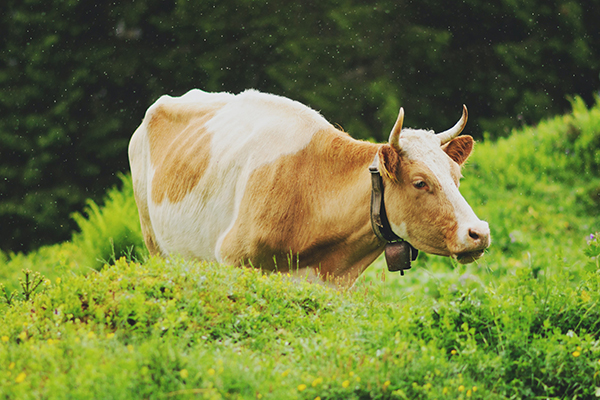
x: 523, y: 322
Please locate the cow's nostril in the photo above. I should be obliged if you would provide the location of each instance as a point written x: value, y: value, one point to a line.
x: 473, y: 234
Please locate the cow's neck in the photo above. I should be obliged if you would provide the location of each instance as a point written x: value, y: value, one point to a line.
x: 347, y: 209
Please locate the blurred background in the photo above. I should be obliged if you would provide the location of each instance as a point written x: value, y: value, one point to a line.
x: 77, y: 76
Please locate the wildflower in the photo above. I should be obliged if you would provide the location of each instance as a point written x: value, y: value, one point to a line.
x: 11, y: 365
x: 184, y: 373
x: 461, y: 388
x: 211, y: 371
x: 469, y: 393
x: 58, y: 280
x: 445, y: 390
x: 50, y: 342
x: 91, y: 335
x: 576, y: 353
x: 301, y: 387
x: 585, y: 296
x: 474, y: 388
x: 110, y: 335
x: 285, y: 373
x: 317, y: 381
x: 21, y: 377
x: 346, y: 383
x: 5, y: 338
x: 386, y: 384
x: 317, y: 398
x: 453, y: 352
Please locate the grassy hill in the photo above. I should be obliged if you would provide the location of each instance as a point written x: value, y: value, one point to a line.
x: 107, y: 322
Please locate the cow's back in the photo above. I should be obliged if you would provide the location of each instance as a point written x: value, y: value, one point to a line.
x: 192, y: 157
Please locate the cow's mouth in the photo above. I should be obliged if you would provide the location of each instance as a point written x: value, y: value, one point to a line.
x: 468, y: 257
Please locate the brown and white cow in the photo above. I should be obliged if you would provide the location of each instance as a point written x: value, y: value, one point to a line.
x: 260, y: 179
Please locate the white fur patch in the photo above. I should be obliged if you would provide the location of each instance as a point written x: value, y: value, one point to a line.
x: 253, y: 129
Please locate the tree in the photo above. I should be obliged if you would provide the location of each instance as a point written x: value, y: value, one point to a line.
x: 77, y: 76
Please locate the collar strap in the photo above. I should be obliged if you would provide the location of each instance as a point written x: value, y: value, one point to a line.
x: 398, y: 252
x: 379, y: 221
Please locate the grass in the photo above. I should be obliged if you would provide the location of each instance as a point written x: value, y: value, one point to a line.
x: 108, y: 322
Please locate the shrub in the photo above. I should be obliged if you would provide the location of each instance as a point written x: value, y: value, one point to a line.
x: 110, y: 231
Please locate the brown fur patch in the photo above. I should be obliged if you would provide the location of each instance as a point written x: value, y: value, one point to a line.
x: 428, y: 215
x: 309, y: 209
x: 459, y: 149
x: 179, y: 149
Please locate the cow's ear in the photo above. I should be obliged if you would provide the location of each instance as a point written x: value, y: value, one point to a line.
x: 389, y: 162
x: 459, y: 149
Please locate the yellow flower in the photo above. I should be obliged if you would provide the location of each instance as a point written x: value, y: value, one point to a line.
x: 445, y: 390
x: 285, y: 373
x: 184, y: 373
x: 461, y: 388
x: 474, y: 388
x: 58, y: 281
x: 50, y: 341
x: 21, y: 377
x: 91, y: 335
x: 469, y: 393
x: 11, y: 365
x: 346, y: 383
x: 453, y: 352
x: 110, y: 335
x: 585, y: 296
x: 301, y: 387
x: 5, y: 338
x: 386, y: 384
x: 317, y: 398
x: 211, y: 371
x: 576, y: 353
x: 317, y: 381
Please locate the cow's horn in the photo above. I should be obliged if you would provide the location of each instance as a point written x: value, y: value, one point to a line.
x: 453, y: 132
x: 395, y: 135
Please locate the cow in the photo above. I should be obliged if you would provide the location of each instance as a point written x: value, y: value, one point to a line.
x: 260, y: 180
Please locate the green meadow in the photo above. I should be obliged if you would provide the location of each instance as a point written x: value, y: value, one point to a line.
x: 96, y: 318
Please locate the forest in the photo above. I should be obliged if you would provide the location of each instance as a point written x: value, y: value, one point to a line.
x: 77, y: 76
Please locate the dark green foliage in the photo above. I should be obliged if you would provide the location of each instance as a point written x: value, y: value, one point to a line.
x: 77, y: 76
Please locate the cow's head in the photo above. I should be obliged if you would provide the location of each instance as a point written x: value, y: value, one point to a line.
x: 421, y: 172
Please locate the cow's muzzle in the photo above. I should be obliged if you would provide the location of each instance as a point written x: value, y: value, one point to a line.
x: 475, y: 239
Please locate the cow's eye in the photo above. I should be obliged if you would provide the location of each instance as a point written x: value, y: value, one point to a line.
x: 420, y: 184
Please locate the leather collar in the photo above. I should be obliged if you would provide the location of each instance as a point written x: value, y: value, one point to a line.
x: 398, y: 252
